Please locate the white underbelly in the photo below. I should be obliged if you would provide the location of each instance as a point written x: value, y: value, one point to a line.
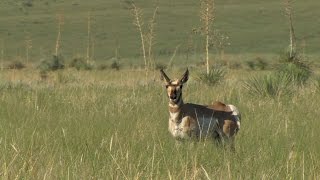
x: 203, y: 129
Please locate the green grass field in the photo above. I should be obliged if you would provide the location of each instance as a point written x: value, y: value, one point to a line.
x: 109, y: 124
x: 113, y: 125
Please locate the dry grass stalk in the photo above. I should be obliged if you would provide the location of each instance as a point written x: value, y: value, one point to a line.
x: 207, y: 18
x: 173, y: 56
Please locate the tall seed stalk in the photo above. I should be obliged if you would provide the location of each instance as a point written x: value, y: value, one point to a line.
x: 207, y: 19
x: 146, y: 38
x: 28, y: 42
x: 288, y: 12
x: 88, y: 38
x: 151, y: 36
x: 93, y: 43
x: 2, y: 53
x: 137, y: 13
x: 58, y: 41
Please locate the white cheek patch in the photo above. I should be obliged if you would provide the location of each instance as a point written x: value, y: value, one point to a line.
x: 238, y: 124
x: 236, y: 113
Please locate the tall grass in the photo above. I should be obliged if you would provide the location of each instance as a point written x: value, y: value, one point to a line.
x: 113, y: 125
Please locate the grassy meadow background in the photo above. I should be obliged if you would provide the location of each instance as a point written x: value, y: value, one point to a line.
x: 112, y: 124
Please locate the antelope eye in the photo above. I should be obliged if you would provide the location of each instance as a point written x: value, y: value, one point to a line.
x: 167, y: 86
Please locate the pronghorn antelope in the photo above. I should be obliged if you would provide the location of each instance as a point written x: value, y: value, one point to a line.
x: 217, y: 121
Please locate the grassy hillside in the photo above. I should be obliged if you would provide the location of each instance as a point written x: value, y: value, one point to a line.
x: 254, y: 27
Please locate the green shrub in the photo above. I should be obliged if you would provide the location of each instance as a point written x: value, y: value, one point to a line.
x: 272, y: 85
x: 27, y: 3
x: 16, y: 65
x: 251, y: 65
x: 261, y: 63
x: 51, y: 64
x: 257, y: 64
x: 298, y: 74
x: 115, y: 65
x: 80, y: 64
x: 295, y: 67
x: 215, y: 76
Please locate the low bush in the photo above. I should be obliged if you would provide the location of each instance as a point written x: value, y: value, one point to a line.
x: 16, y: 65
x: 80, y: 64
x: 52, y: 63
x: 257, y: 64
x: 115, y: 65
x: 261, y: 64
x: 251, y: 65
x: 215, y: 76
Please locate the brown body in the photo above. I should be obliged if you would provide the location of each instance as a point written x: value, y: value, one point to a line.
x: 217, y: 121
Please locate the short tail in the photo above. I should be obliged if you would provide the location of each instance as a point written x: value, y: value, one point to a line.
x: 236, y: 114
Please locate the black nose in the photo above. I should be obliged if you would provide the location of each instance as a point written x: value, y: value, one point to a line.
x: 173, y: 96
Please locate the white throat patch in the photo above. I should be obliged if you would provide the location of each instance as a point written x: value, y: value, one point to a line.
x: 174, y: 115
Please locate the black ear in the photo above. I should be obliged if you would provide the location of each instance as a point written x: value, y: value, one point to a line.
x: 185, y: 77
x: 164, y: 76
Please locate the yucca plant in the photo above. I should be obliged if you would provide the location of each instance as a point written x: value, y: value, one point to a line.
x: 271, y: 85
x: 299, y: 75
x: 214, y: 77
x: 295, y: 67
x: 207, y: 18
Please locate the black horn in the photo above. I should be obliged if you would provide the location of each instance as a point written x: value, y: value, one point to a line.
x: 164, y: 76
x: 185, y: 77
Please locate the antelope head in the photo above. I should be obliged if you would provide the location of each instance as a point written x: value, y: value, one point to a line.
x: 174, y: 87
